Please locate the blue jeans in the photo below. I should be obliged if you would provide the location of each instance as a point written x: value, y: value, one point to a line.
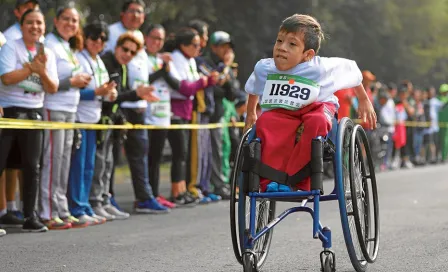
x: 418, y: 141
x: 81, y: 175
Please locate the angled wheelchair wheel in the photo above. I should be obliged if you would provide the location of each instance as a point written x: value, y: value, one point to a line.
x: 240, y: 215
x: 364, y: 194
x: 343, y: 189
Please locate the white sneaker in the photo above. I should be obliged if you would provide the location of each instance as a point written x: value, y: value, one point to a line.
x: 101, y: 219
x: 103, y: 213
x: 90, y: 220
x: 119, y: 215
x: 2, y: 232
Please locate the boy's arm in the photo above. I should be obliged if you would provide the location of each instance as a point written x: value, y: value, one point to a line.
x: 365, y: 109
x: 251, y: 117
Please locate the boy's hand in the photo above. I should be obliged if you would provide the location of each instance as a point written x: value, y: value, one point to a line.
x: 251, y: 118
x: 366, y: 112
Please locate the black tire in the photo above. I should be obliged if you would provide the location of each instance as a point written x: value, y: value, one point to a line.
x: 364, y: 190
x: 328, y: 265
x: 249, y: 263
x: 343, y: 189
x: 240, y: 212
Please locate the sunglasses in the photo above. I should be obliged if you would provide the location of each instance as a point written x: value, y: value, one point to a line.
x: 127, y: 50
x: 95, y: 37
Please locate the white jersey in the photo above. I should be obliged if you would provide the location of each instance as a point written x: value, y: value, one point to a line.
x: 28, y: 93
x: 2, y: 40
x: 186, y: 69
x: 68, y: 66
x: 313, y: 81
x: 115, y: 31
x: 13, y: 32
x: 89, y: 111
x: 159, y: 113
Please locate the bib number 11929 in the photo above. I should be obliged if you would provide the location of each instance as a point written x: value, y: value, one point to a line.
x: 293, y: 91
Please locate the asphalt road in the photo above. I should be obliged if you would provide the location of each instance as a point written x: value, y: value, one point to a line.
x: 414, y: 228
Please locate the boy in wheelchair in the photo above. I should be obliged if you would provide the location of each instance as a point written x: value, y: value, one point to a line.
x: 295, y: 89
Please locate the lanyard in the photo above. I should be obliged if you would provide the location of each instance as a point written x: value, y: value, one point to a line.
x: 68, y: 51
x: 30, y: 57
x: 153, y: 59
x: 98, y: 78
x: 125, y: 76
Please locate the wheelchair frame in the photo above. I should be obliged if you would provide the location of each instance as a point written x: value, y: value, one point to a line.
x: 244, y: 248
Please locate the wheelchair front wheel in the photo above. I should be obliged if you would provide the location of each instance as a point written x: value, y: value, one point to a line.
x: 240, y: 215
x: 249, y: 263
x: 364, y: 194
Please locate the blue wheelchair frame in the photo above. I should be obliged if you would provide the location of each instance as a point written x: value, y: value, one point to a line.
x: 319, y: 232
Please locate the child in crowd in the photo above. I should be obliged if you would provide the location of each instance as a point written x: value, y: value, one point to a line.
x: 295, y: 88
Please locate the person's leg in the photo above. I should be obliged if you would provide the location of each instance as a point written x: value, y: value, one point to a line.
x: 156, y: 145
x: 217, y: 178
x: 31, y: 151
x: 98, y: 188
x: 89, y: 166
x: 12, y: 181
x: 53, y: 149
x: 76, y: 180
x: 7, y: 139
x: 61, y: 183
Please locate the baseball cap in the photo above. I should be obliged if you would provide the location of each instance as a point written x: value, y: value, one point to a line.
x: 220, y: 38
x: 21, y: 2
x: 443, y: 88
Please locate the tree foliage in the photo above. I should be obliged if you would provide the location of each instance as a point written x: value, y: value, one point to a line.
x: 395, y: 39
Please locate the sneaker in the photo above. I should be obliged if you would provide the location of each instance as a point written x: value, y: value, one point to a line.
x: 119, y: 215
x: 194, y: 191
x: 18, y: 214
x: 150, y: 206
x: 191, y: 197
x: 213, y: 197
x: 183, y: 200
x: 33, y: 224
x: 57, y: 224
x: 205, y: 200
x: 75, y: 222
x: 9, y: 220
x: 103, y: 213
x: 224, y: 192
x: 90, y: 220
x: 115, y: 204
x: 99, y: 218
x: 2, y: 232
x: 407, y: 165
x: 164, y: 202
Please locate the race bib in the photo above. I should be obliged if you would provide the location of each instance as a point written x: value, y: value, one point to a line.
x: 162, y: 108
x: 138, y: 82
x: 32, y: 84
x: 289, y: 92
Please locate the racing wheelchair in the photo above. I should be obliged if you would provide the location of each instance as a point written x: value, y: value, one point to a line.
x: 252, y: 213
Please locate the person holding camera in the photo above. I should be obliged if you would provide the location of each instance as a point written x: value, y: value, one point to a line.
x: 131, y: 87
x: 27, y: 72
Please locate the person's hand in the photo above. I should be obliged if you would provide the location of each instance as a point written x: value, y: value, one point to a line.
x: 80, y: 80
x: 229, y: 57
x: 106, y: 89
x: 214, y: 76
x: 1, y: 112
x: 166, y: 57
x: 150, y: 97
x: 251, y: 118
x: 147, y: 93
x: 113, y: 95
x: 38, y: 65
x: 366, y: 113
x: 233, y: 121
x: 204, y: 81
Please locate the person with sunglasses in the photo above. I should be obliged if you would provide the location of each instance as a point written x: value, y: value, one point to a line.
x: 132, y: 88
x: 64, y: 41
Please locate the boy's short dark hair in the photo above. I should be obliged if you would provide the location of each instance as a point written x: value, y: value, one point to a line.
x: 126, y: 4
x: 309, y: 26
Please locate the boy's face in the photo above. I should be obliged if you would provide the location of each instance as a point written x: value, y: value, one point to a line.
x: 289, y: 50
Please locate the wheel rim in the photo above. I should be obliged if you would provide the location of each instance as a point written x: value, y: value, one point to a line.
x: 366, y: 207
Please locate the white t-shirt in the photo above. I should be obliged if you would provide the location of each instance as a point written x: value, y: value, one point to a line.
x: 68, y: 66
x: 12, y: 57
x: 159, y: 113
x: 89, y: 111
x: 186, y: 69
x: 2, y: 40
x: 13, y: 32
x: 115, y: 31
x: 324, y: 76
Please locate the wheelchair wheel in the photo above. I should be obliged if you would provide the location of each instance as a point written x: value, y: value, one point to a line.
x: 343, y: 189
x: 249, y: 263
x: 364, y: 194
x: 240, y: 215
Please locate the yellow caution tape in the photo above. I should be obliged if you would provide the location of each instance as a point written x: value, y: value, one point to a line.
x: 7, y: 123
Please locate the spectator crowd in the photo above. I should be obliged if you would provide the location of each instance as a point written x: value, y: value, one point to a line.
x: 101, y: 73
x: 112, y: 74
